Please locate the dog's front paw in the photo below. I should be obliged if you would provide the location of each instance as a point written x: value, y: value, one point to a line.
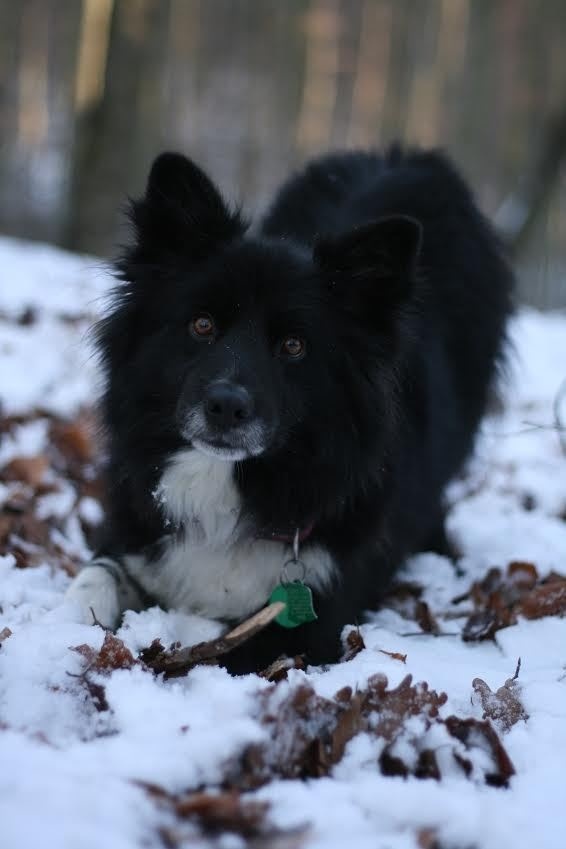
x: 95, y: 593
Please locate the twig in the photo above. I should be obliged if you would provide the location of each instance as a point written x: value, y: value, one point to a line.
x: 180, y: 661
x: 96, y: 621
x: 558, y: 425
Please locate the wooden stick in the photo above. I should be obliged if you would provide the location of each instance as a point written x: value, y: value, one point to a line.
x: 180, y: 661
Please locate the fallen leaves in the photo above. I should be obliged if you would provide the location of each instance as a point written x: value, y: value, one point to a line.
x: 394, y: 655
x: 502, y: 596
x: 482, y: 736
x: 547, y: 599
x: 24, y: 535
x: 427, y: 838
x: 74, y: 439
x: 308, y: 734
x: 112, y: 655
x: 218, y: 813
x: 223, y: 812
x: 504, y: 706
x: 354, y: 644
x: 406, y: 599
x: 28, y: 470
x: 67, y: 466
x: 279, y: 669
x: 498, y: 600
x: 425, y: 619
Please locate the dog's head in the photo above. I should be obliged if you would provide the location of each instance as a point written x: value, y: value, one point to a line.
x: 239, y: 345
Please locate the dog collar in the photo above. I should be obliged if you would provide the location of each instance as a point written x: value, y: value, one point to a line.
x: 304, y: 534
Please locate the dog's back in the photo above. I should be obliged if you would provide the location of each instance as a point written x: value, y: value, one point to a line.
x: 455, y: 322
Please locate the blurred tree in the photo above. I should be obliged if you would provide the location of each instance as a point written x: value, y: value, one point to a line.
x: 38, y: 57
x: 91, y: 90
x: 107, y: 141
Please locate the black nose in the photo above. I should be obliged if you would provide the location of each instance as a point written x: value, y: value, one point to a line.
x: 227, y: 405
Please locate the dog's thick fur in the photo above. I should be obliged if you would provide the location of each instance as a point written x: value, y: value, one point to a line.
x: 334, y: 385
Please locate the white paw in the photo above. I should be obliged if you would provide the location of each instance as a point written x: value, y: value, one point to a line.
x: 95, y: 590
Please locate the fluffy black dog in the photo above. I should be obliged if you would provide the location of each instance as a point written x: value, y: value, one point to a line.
x: 322, y: 378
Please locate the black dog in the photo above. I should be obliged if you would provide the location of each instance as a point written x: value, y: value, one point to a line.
x: 322, y: 379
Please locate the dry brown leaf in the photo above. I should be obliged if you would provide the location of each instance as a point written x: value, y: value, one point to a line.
x: 548, y: 599
x: 503, y: 706
x: 395, y: 655
x: 393, y: 707
x: 468, y: 731
x: 28, y: 470
x: 427, y: 765
x: 425, y: 619
x: 484, y: 625
x: 113, y: 654
x: 279, y: 669
x: 151, y: 652
x: 354, y: 644
x: 25, y: 536
x: 223, y: 812
x: 427, y: 838
x: 405, y: 598
x: 501, y: 597
x: 74, y: 439
x: 523, y: 574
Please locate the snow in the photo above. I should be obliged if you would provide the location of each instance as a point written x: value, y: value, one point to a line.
x: 69, y: 774
x: 90, y: 510
x: 48, y: 364
x: 28, y: 440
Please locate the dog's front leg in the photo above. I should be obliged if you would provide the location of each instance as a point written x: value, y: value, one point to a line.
x: 102, y: 592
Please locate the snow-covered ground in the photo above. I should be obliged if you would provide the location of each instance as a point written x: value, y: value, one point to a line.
x: 74, y: 765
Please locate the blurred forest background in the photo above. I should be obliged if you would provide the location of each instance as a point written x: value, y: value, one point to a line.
x: 91, y: 90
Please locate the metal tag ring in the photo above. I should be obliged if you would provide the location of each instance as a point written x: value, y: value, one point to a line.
x: 284, y: 577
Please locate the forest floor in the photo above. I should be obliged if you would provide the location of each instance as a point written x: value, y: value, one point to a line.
x: 430, y: 733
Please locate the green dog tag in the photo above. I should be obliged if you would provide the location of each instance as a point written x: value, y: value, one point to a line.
x: 297, y: 598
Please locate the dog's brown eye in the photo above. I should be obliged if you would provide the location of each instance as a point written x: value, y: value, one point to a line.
x: 202, y: 326
x: 293, y: 347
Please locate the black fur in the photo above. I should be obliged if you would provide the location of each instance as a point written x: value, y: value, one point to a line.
x: 385, y: 266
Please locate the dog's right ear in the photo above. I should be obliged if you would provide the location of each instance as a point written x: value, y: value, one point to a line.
x: 182, y: 213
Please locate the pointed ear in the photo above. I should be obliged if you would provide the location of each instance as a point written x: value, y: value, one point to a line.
x: 374, y: 262
x: 182, y: 212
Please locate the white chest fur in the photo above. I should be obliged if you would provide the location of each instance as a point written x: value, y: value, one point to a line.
x: 199, y: 491
x: 214, y: 568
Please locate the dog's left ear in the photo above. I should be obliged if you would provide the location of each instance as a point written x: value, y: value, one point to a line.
x: 181, y: 213
x: 375, y: 262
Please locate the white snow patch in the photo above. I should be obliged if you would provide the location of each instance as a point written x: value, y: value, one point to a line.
x: 67, y: 771
x: 26, y: 440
